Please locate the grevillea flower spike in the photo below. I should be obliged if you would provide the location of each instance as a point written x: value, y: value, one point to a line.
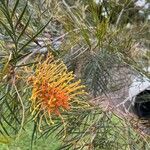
x: 53, y: 89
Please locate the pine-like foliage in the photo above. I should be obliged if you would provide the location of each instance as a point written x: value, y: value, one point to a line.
x: 87, y: 41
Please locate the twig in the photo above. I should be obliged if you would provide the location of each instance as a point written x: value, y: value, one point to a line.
x: 23, y: 110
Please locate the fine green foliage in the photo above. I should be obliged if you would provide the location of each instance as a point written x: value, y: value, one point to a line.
x: 92, y: 40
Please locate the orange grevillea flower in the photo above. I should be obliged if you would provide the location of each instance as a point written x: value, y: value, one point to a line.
x: 53, y: 88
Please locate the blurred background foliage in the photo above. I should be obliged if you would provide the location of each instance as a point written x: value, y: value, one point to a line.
x: 92, y: 38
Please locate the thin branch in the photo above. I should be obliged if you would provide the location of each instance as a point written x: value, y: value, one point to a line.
x: 23, y: 110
